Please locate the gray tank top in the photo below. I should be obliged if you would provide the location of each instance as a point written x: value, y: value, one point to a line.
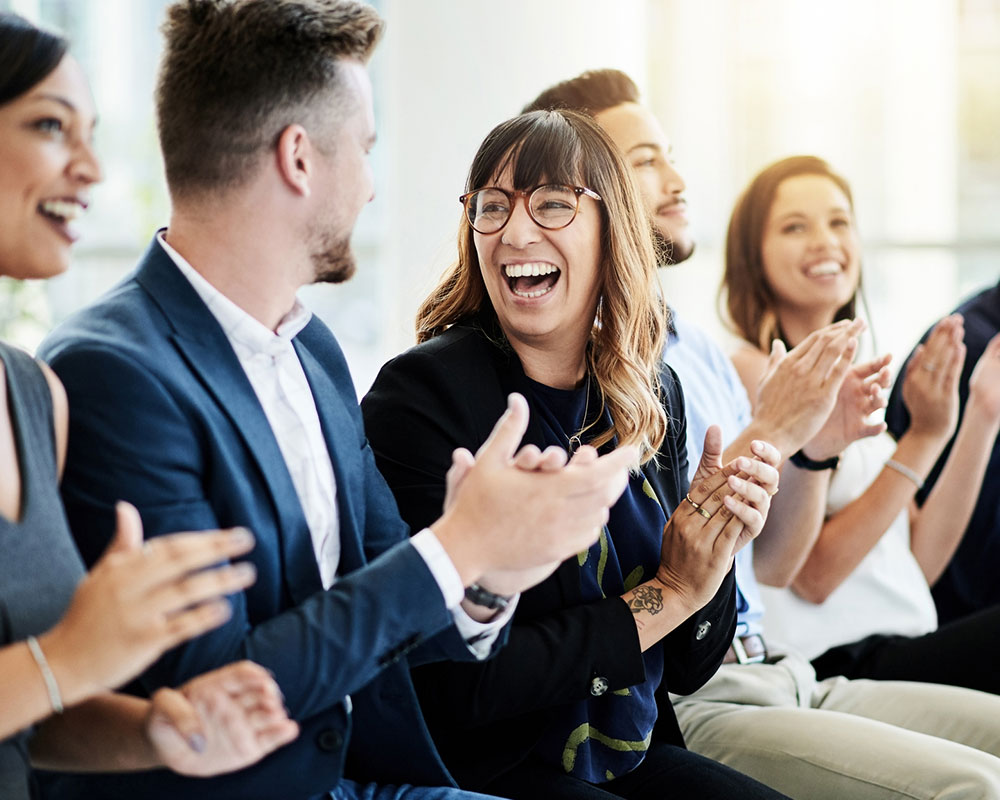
x: 39, y: 564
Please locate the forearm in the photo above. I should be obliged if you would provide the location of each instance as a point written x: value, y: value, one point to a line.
x: 939, y: 524
x: 850, y: 534
x: 104, y: 734
x: 793, y: 525
x: 23, y: 695
x: 657, y: 610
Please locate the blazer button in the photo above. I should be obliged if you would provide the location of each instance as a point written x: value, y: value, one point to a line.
x: 598, y: 686
x: 329, y: 740
x: 702, y: 630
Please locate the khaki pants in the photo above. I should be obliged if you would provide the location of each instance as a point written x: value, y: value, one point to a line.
x: 842, y: 739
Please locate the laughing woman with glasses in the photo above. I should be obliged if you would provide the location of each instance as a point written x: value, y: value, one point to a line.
x: 554, y: 296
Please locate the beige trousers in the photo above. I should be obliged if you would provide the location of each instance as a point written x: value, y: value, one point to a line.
x: 846, y: 740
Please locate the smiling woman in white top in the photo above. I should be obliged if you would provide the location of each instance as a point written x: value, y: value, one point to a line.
x: 860, y: 602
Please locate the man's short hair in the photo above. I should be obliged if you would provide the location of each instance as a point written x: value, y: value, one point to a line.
x: 236, y: 73
x: 592, y: 92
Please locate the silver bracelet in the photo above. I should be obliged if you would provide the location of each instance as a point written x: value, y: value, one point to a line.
x: 55, y: 698
x: 906, y: 472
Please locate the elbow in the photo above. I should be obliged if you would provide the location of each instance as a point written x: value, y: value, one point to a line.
x: 812, y: 591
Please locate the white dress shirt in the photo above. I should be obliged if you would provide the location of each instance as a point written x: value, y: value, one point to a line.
x: 273, y: 368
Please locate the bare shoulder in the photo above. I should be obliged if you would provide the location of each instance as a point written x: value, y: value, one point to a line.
x: 60, y: 412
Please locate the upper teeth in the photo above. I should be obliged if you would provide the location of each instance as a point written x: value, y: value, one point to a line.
x: 527, y: 270
x: 824, y: 268
x: 64, y: 209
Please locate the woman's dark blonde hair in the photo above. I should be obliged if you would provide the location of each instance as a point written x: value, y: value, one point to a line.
x: 627, y: 338
x: 748, y: 298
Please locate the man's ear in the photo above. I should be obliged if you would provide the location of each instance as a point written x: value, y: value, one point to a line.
x: 295, y: 159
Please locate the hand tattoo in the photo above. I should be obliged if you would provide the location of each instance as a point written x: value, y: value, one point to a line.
x: 646, y: 598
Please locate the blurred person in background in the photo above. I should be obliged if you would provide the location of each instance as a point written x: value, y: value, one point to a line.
x: 765, y: 713
x: 860, y: 605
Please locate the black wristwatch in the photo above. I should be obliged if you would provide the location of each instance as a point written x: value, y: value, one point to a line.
x: 485, y: 598
x: 802, y: 461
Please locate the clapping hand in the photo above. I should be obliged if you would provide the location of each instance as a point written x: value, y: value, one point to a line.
x: 930, y: 386
x: 140, y: 600
x: 984, y: 383
x: 725, y: 508
x: 221, y: 721
x: 861, y: 394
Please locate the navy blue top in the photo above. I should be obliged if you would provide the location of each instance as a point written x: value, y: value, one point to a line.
x: 39, y: 565
x: 969, y: 583
x: 604, y: 737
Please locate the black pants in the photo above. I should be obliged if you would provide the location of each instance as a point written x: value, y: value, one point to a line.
x: 666, y: 773
x: 965, y: 652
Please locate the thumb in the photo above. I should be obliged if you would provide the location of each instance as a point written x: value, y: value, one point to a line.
x: 499, y: 448
x: 711, y: 455
x: 128, y: 529
x: 172, y: 709
x: 778, y: 352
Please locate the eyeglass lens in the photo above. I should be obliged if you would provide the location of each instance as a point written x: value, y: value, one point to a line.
x: 551, y: 206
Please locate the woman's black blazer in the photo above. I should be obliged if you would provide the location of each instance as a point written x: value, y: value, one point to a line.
x: 486, y: 717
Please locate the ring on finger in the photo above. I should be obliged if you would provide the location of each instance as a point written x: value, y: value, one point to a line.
x: 704, y: 513
x: 687, y: 497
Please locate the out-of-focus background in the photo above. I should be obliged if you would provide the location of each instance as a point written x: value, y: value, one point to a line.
x: 901, y: 96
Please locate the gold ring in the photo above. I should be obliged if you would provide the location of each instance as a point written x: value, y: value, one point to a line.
x: 704, y: 513
x: 687, y: 497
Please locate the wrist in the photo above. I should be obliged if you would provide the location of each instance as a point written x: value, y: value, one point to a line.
x: 776, y: 435
x: 460, y: 547
x: 981, y: 412
x: 803, y: 461
x: 479, y: 595
x: 70, y: 678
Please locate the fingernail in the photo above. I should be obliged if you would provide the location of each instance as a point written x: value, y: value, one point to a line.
x: 196, y: 742
x: 244, y: 571
x: 241, y: 536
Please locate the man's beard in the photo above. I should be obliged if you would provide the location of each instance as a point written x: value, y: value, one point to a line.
x: 668, y: 252
x: 333, y: 260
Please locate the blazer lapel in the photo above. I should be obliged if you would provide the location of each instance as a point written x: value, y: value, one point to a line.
x: 206, y: 349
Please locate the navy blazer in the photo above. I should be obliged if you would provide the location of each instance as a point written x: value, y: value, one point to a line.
x: 486, y: 718
x: 164, y: 416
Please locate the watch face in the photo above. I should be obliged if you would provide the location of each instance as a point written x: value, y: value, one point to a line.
x: 483, y: 597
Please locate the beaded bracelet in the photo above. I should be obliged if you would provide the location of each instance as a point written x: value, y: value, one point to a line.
x: 906, y: 472
x: 55, y: 698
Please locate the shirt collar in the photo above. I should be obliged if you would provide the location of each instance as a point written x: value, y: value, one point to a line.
x: 241, y: 328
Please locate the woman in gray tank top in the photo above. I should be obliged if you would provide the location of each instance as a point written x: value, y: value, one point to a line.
x: 66, y: 637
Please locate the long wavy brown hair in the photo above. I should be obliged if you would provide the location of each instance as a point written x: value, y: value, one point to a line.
x: 626, y: 341
x: 745, y: 292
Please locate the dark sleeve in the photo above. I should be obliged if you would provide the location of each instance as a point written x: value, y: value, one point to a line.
x: 694, y: 650
x: 132, y: 438
x: 419, y: 409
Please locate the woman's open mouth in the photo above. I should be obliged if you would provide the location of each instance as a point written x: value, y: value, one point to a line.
x: 532, y: 279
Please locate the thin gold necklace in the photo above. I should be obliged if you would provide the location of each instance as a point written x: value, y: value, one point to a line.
x: 575, y: 442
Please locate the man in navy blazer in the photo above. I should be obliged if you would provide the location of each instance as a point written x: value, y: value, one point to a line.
x: 204, y: 393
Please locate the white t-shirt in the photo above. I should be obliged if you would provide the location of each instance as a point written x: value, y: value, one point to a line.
x: 886, y: 593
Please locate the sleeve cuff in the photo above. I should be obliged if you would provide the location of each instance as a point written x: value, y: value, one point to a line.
x: 439, y: 563
x: 479, y: 636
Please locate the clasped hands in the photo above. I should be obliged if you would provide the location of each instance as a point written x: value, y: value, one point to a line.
x: 512, y: 515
